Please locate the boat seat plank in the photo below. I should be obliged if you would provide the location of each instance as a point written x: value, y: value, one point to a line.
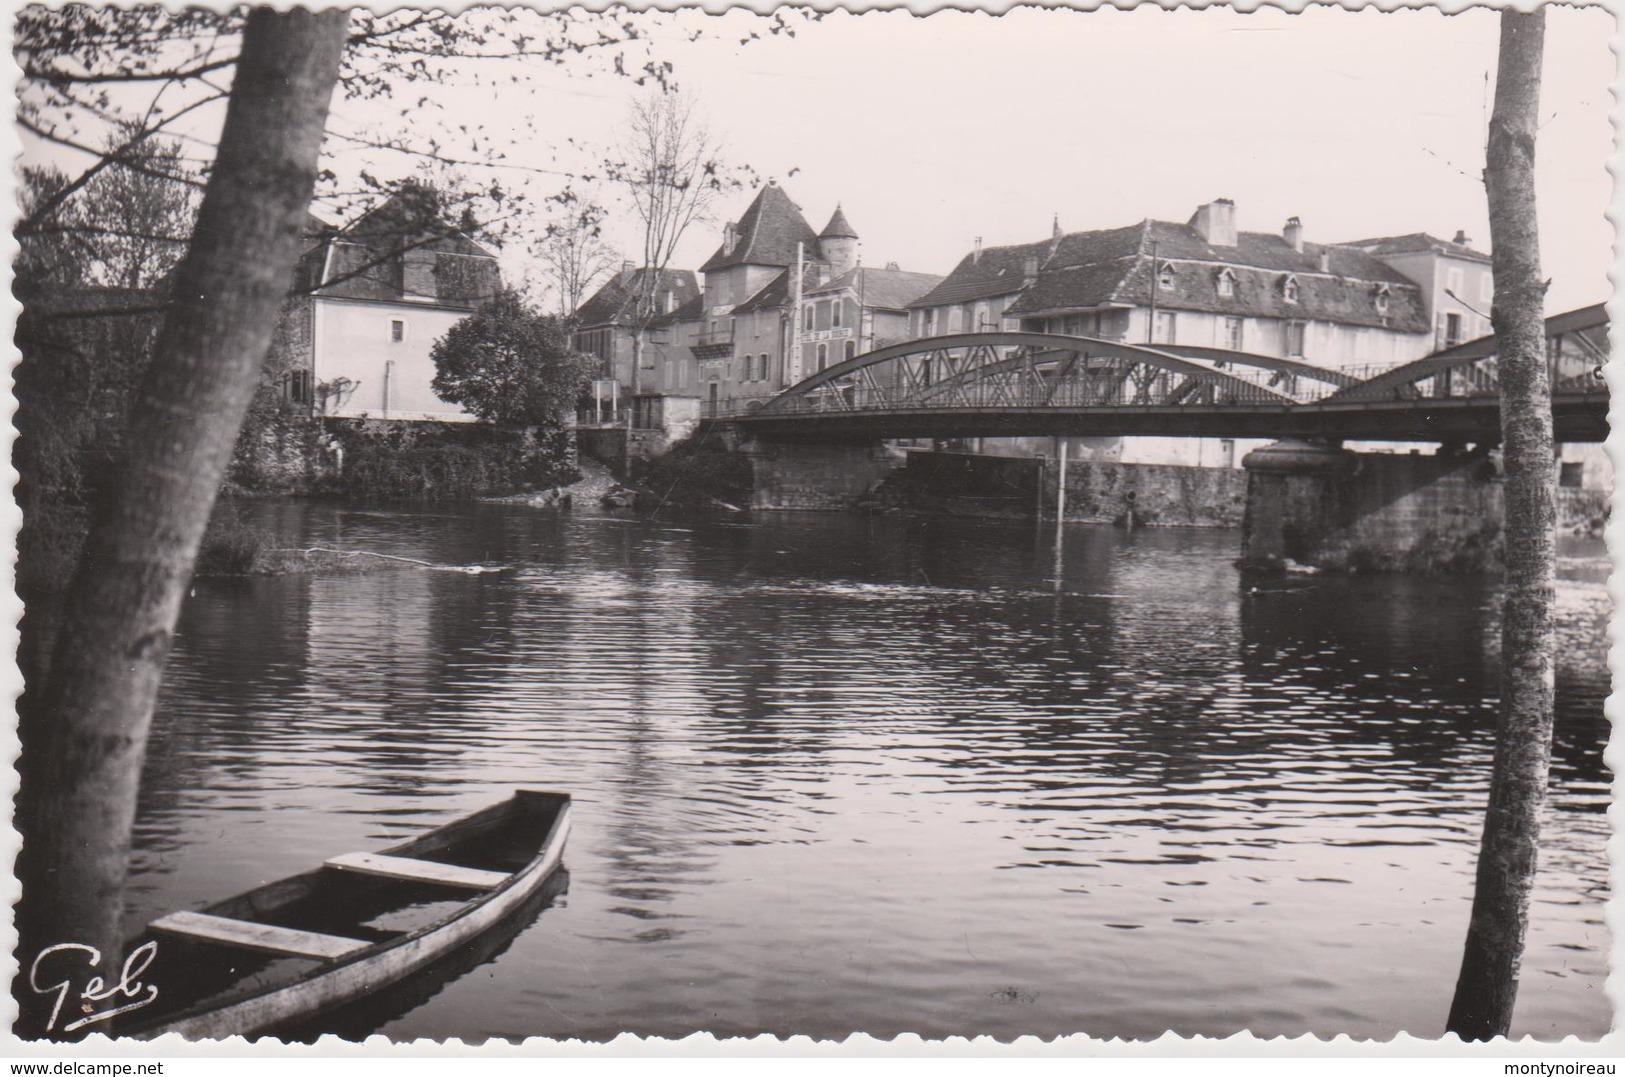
x: 424, y: 871
x: 251, y: 936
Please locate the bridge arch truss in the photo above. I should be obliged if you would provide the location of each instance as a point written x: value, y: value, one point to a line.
x: 1011, y: 369
x: 1007, y: 382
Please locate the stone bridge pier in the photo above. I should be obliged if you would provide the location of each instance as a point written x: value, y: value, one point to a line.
x: 800, y: 475
x: 1318, y: 504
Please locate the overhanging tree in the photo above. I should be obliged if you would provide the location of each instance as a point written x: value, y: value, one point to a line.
x: 83, y: 67
x: 510, y: 365
x: 1488, y: 984
x: 85, y: 737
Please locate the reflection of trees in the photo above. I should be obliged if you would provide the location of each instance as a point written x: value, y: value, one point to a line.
x: 218, y: 690
x: 1180, y: 680
x: 1581, y: 728
x: 1399, y: 656
x: 1415, y: 658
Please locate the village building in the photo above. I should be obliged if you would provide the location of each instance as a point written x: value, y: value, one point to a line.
x: 745, y: 336
x: 1457, y: 282
x: 608, y: 323
x: 1204, y: 282
x: 857, y: 312
x: 371, y: 300
x: 741, y: 345
x: 1458, y: 290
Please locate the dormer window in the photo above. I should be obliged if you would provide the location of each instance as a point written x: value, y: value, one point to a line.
x: 1382, y: 297
x: 1289, y: 289
x: 1165, y: 276
x: 1227, y: 283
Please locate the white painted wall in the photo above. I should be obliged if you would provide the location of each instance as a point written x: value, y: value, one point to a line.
x: 352, y: 339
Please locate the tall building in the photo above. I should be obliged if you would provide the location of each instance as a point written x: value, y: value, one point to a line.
x: 748, y: 335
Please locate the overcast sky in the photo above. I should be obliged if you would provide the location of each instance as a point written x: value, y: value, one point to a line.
x: 933, y: 131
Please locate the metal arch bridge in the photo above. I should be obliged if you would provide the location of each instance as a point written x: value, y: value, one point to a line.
x: 1009, y: 384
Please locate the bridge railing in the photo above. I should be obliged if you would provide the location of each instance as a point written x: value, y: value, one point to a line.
x: 1477, y: 377
x: 1115, y: 388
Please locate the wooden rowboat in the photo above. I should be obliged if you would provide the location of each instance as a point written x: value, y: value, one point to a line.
x: 286, y: 952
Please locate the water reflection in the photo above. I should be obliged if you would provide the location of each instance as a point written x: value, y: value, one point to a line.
x: 887, y: 775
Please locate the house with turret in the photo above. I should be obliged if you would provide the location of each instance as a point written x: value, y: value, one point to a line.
x: 778, y: 302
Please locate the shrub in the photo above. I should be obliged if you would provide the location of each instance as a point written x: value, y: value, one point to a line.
x: 691, y: 474
x: 232, y: 546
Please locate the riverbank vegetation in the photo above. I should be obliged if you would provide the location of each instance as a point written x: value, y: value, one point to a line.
x: 394, y: 460
x: 695, y: 473
x: 234, y: 545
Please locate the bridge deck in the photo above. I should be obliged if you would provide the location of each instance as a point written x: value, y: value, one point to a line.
x: 1013, y: 384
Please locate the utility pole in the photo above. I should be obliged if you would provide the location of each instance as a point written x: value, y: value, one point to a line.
x: 792, y: 373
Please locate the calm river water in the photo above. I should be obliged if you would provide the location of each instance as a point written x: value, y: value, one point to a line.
x: 843, y: 774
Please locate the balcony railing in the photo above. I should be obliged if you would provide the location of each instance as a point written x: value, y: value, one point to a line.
x: 714, y: 338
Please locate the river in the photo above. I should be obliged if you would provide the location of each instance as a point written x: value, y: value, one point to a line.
x: 838, y: 774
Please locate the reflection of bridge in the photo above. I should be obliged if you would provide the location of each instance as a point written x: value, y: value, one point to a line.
x: 1004, y: 384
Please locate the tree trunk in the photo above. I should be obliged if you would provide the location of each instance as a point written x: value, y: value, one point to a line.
x: 85, y: 739
x: 1488, y: 984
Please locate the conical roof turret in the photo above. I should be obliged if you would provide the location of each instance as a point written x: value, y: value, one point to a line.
x: 838, y: 227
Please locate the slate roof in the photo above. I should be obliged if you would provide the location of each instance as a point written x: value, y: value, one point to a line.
x: 411, y: 215
x: 690, y: 311
x: 1416, y: 243
x: 768, y: 234
x: 838, y: 227
x: 997, y: 271
x: 368, y: 255
x: 882, y: 289
x: 772, y: 296
x: 1114, y: 266
x: 614, y: 302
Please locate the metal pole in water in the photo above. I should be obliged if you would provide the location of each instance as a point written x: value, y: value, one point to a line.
x: 1038, y: 500
x: 1060, y: 492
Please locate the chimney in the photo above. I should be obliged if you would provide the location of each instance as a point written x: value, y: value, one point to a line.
x: 1461, y: 239
x: 1216, y: 223
x: 730, y: 237
x: 892, y: 267
x: 1293, y: 233
x: 976, y: 252
x: 1325, y: 259
x: 626, y: 270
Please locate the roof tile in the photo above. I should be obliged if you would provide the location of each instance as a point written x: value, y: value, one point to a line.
x: 768, y: 234
x: 614, y: 302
